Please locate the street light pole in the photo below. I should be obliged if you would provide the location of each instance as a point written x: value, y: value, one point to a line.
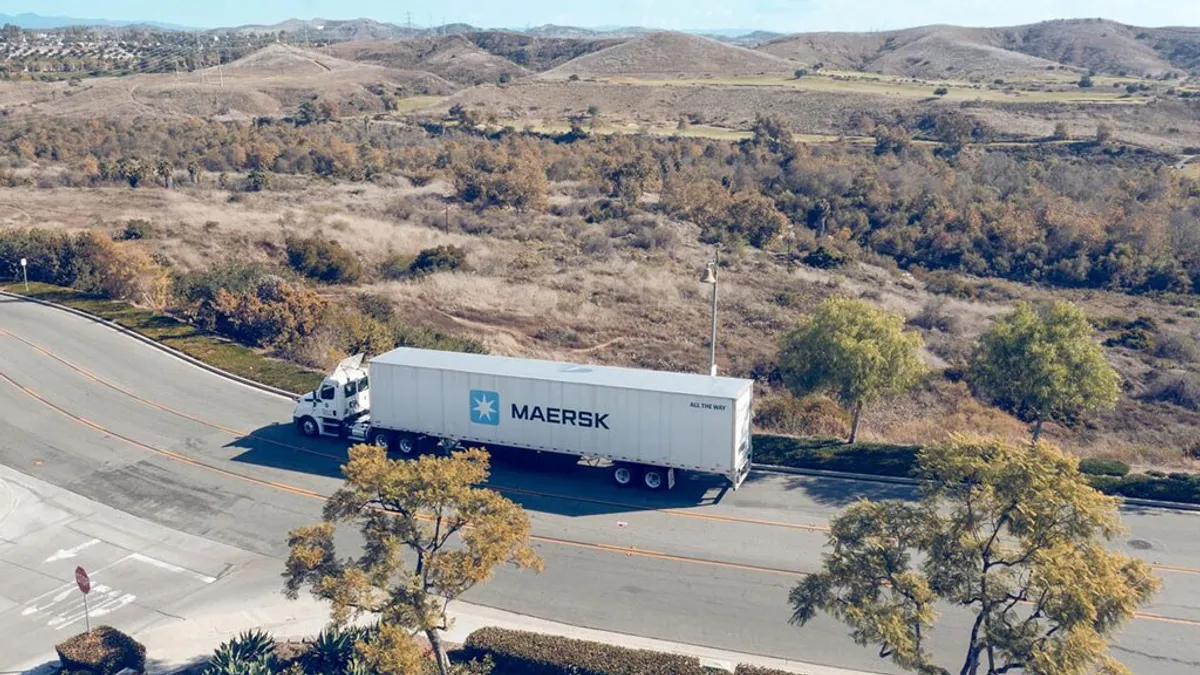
x: 25, y: 273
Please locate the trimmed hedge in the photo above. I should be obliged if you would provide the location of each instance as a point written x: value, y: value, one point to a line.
x: 1098, y: 466
x: 104, y: 651
x: 1176, y: 487
x: 520, y: 653
x: 743, y: 669
x: 877, y: 459
x: 1111, y: 477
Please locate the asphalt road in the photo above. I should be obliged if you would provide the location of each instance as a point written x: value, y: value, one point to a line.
x: 97, y: 413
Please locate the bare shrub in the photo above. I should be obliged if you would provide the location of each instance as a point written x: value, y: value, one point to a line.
x: 812, y: 415
x: 1175, y: 347
x: 1181, y: 389
x: 596, y: 244
x: 933, y: 316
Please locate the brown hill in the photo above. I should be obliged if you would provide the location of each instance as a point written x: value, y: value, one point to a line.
x: 535, y: 52
x: 271, y: 82
x: 945, y: 51
x: 672, y: 54
x: 452, y: 57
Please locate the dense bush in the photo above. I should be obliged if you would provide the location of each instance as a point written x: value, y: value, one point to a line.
x: 103, y: 651
x: 447, y: 257
x: 536, y: 654
x: 1099, y: 466
x: 323, y: 259
x: 273, y: 313
x: 136, y: 229
x: 825, y: 258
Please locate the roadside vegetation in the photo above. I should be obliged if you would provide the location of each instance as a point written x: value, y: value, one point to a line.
x: 944, y: 226
x: 1010, y: 533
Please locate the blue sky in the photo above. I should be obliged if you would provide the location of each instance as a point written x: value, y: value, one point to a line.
x: 777, y: 15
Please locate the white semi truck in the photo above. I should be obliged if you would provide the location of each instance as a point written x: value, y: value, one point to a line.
x: 646, y: 423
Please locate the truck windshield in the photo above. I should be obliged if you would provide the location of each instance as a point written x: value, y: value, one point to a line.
x: 356, y: 386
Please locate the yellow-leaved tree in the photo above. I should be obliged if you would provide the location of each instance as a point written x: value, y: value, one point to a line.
x: 431, y: 508
x: 1010, y: 533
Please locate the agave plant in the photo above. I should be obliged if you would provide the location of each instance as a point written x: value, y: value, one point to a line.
x: 332, y: 653
x: 250, y: 653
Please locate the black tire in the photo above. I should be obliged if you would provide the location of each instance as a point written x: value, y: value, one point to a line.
x: 624, y: 475
x: 406, y: 445
x: 308, y: 426
x: 654, y: 478
x: 382, y: 438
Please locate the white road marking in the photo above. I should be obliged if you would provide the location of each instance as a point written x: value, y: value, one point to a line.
x: 172, y: 568
x: 64, y: 553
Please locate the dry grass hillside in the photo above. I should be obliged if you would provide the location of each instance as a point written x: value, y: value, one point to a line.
x: 454, y: 58
x: 942, y: 51
x: 272, y: 81
x: 543, y: 103
x: 1103, y: 46
x: 928, y: 52
x: 672, y: 54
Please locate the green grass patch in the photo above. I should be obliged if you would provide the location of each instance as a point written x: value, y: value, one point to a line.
x: 877, y: 459
x: 861, y: 83
x: 211, y: 349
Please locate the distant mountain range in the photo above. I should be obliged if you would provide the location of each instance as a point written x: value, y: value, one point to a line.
x: 353, y: 29
x: 33, y: 21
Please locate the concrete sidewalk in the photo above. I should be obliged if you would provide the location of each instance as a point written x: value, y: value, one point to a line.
x: 183, y: 595
x: 183, y: 643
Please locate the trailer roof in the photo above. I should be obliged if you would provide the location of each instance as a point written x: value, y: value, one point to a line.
x: 535, y: 369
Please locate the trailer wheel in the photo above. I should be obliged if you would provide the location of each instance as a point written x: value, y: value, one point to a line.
x: 653, y: 478
x: 406, y: 445
x: 308, y: 427
x: 623, y: 475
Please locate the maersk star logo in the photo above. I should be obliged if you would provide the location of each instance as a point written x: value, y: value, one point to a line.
x: 485, y: 407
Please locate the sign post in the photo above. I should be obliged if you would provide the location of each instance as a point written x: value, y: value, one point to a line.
x: 25, y: 273
x: 85, y: 586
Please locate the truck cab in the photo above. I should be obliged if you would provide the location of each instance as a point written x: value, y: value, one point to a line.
x: 340, y: 406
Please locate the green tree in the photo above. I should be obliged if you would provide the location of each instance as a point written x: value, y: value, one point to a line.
x: 431, y: 508
x: 1044, y: 367
x: 856, y: 352
x: 1012, y: 534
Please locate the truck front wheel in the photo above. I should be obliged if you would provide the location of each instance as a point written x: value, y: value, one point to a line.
x: 623, y: 475
x: 308, y: 427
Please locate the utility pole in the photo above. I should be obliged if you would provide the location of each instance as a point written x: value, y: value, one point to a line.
x: 710, y: 277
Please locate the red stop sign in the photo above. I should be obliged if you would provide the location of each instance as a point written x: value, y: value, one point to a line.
x: 81, y: 578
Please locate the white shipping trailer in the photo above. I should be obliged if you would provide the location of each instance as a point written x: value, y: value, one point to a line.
x: 647, y: 423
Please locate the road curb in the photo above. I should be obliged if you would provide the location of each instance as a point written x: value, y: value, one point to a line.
x: 765, y: 468
x: 899, y: 480
x: 156, y: 344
